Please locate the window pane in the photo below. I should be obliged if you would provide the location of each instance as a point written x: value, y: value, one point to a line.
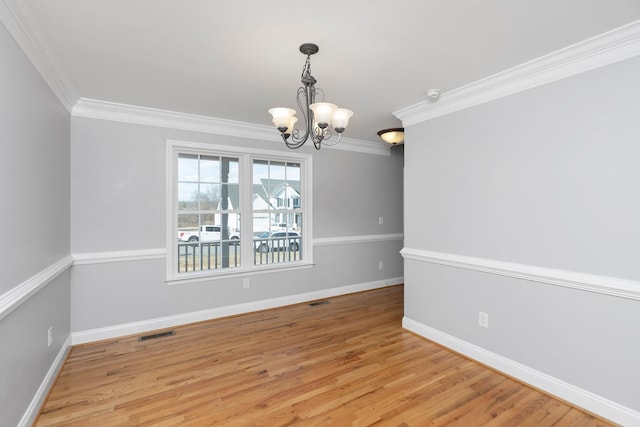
x: 188, y: 167
x: 293, y: 185
x: 210, y: 196
x: 187, y: 196
x: 277, y: 171
x: 230, y: 197
x: 187, y: 226
x: 209, y: 169
x: 234, y: 170
x: 260, y: 222
x: 293, y: 172
x: 209, y: 220
x: 260, y: 171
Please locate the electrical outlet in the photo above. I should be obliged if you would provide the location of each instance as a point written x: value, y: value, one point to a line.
x: 380, y: 220
x: 483, y: 319
x: 246, y: 283
x: 50, y: 336
x: 380, y: 265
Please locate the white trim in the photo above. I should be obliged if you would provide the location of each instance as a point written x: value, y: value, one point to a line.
x: 207, y: 276
x: 112, y: 111
x: 554, y: 386
x: 119, y: 256
x: 245, y: 158
x: 622, y: 288
x: 33, y: 409
x: 13, y: 298
x: 349, y: 240
x: 116, y: 331
x: 605, y: 49
x: 16, y: 17
x: 86, y: 258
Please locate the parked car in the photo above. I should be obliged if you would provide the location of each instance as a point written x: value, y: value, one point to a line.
x: 208, y: 233
x: 266, y: 241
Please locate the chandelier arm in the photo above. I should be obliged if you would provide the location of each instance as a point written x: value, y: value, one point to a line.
x: 292, y: 145
x: 297, y: 140
x: 328, y: 138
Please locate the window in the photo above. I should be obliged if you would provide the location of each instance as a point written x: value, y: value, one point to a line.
x: 207, y: 213
x: 278, y: 224
x: 232, y: 211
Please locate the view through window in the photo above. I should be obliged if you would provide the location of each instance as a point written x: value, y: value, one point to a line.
x: 235, y: 211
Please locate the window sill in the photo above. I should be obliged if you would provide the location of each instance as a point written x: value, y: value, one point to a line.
x: 236, y: 272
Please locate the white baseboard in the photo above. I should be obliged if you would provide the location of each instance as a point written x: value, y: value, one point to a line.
x: 116, y: 331
x: 33, y: 409
x: 561, y: 389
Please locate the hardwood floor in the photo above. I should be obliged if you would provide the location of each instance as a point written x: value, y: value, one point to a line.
x: 347, y: 362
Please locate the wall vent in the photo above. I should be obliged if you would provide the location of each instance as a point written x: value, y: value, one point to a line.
x: 158, y: 335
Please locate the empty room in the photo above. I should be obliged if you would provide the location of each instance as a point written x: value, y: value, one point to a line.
x: 348, y: 214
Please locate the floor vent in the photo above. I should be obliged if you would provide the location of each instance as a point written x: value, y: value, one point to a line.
x: 158, y: 335
x: 313, y: 304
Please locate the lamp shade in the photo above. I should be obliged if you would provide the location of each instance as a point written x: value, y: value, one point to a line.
x: 281, y: 116
x: 340, y: 119
x: 323, y: 113
x: 292, y: 124
x: 392, y: 135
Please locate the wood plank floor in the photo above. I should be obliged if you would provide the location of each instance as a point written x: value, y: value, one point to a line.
x: 347, y: 362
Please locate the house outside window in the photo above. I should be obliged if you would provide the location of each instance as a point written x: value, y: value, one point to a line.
x: 231, y: 210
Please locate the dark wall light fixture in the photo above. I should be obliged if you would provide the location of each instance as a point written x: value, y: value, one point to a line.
x: 392, y: 135
x: 317, y: 115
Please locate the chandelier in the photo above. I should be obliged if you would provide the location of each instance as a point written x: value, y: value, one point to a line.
x: 317, y: 115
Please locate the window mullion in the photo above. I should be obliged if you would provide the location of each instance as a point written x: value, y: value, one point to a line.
x: 246, y: 217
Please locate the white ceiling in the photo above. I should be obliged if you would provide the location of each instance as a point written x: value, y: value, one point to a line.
x: 235, y: 59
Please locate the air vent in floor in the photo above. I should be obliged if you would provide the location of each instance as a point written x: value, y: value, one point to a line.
x: 158, y: 335
x: 313, y: 304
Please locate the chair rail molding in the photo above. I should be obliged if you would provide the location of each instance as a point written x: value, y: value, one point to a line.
x: 622, y: 288
x: 13, y: 298
x: 118, y: 256
x: 84, y: 258
x: 349, y: 240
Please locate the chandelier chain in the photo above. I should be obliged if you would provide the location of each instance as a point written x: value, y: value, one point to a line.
x: 307, y: 67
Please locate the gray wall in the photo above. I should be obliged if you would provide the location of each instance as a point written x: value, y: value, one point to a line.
x: 34, y: 225
x: 118, y: 204
x: 549, y: 178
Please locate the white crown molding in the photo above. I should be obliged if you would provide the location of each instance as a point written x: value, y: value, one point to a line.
x: 14, y: 297
x: 33, y: 410
x: 605, y: 49
x: 621, y: 288
x: 116, y: 331
x: 554, y: 386
x: 16, y: 17
x: 112, y: 111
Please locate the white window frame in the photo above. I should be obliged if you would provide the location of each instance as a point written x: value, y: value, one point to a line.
x: 246, y: 157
